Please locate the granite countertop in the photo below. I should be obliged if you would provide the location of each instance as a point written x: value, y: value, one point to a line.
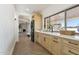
x: 73, y: 37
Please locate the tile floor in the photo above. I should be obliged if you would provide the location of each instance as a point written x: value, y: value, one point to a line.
x: 26, y: 47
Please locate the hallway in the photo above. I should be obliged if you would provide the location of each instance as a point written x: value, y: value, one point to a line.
x: 26, y: 47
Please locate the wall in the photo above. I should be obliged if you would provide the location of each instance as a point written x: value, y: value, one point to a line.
x: 23, y: 26
x: 16, y: 27
x: 27, y: 21
x: 38, y: 21
x: 54, y: 9
x: 28, y: 28
x: 8, y: 30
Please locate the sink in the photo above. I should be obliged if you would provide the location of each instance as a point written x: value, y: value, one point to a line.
x: 45, y: 30
x: 67, y: 32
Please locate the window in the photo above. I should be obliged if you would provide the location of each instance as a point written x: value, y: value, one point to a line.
x: 64, y: 21
x: 73, y: 19
x: 57, y: 22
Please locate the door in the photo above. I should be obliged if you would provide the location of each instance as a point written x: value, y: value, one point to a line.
x: 32, y: 30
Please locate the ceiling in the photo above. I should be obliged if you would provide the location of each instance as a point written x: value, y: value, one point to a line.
x: 73, y: 13
x: 24, y: 9
x: 30, y: 8
x: 23, y: 19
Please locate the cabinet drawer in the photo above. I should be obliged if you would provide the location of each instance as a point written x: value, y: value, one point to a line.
x: 56, y: 50
x: 56, y: 41
x: 73, y: 43
x: 70, y: 50
x: 47, y: 41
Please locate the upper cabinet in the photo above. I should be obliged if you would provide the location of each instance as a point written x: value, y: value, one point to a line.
x: 38, y: 20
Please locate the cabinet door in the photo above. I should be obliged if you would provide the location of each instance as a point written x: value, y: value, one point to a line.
x: 55, y: 45
x: 73, y: 43
x: 70, y: 50
x: 49, y: 45
x: 36, y: 36
x: 47, y: 41
x: 40, y: 38
x: 70, y: 47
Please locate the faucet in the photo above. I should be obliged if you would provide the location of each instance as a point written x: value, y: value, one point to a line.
x: 51, y: 28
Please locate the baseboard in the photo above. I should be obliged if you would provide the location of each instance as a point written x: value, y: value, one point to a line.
x: 12, y: 49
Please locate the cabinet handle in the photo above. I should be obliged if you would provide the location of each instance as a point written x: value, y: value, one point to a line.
x: 44, y: 39
x: 73, y: 52
x: 55, y: 41
x: 73, y: 43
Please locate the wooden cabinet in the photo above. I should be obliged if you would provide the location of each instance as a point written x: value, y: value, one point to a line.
x: 73, y: 43
x: 70, y: 47
x: 67, y: 50
x: 57, y: 45
x: 51, y: 43
x: 39, y: 37
x: 36, y: 36
x: 47, y: 41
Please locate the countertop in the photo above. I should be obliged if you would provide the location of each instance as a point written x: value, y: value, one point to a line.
x: 73, y: 37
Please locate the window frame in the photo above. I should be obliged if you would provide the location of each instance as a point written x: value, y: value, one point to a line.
x: 65, y: 16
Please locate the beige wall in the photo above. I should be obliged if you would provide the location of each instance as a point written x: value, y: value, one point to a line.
x: 38, y: 21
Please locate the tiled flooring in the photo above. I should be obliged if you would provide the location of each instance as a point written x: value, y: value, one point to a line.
x: 26, y: 47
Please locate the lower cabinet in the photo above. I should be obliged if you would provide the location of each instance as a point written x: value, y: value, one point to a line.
x: 70, y: 47
x: 36, y: 36
x: 52, y: 44
x: 39, y: 37
x: 70, y: 50
x: 57, y: 45
x: 46, y: 41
